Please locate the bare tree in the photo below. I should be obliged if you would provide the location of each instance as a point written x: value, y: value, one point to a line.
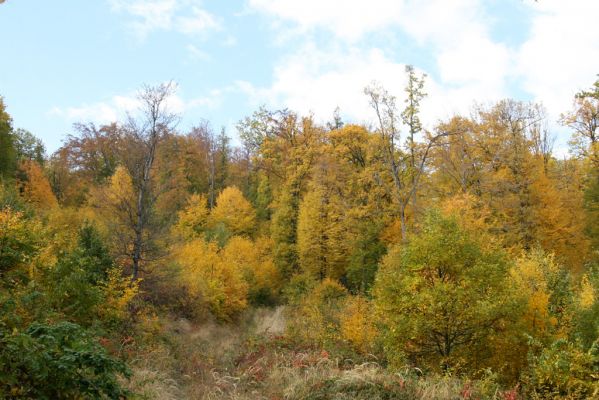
x: 144, y: 133
x: 406, y: 168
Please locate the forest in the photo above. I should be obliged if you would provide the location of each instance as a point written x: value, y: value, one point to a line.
x: 306, y: 260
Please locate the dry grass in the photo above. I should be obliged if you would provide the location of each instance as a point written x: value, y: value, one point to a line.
x: 244, y: 361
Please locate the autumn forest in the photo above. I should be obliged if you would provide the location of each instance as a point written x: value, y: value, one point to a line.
x: 303, y: 259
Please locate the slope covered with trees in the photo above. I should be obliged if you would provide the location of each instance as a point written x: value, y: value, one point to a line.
x: 312, y: 261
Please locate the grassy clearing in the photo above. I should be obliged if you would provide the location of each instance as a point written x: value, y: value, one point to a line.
x: 180, y: 360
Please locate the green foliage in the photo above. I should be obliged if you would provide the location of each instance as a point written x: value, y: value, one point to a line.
x: 28, y: 147
x: 263, y: 198
x: 284, y: 232
x: 440, y: 296
x: 73, y: 284
x: 60, y: 361
x: 366, y: 253
x: 585, y: 328
x: 8, y: 153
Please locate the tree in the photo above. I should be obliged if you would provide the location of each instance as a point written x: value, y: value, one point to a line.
x: 410, y: 117
x: 193, y: 218
x: 322, y: 241
x: 8, y: 154
x: 234, y: 212
x: 19, y: 240
x: 406, y: 170
x: 440, y: 294
x: 34, y: 186
x: 143, y: 136
x: 29, y: 147
x: 212, y: 279
x: 584, y: 120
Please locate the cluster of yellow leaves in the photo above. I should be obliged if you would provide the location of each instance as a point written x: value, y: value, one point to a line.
x: 193, y: 218
x: 588, y: 295
x: 321, y: 241
x: 35, y: 188
x: 316, y: 319
x: 62, y: 228
x: 234, y: 212
x: 210, y: 278
x: 19, y: 240
x: 529, y: 275
x: 119, y: 291
x: 255, y: 262
x: 357, y: 324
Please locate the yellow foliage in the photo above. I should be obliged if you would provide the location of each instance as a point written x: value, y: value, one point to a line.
x: 35, y: 188
x: 529, y: 275
x: 357, y: 324
x: 193, y: 218
x: 119, y: 291
x: 121, y: 187
x: 587, y: 293
x: 210, y: 278
x: 234, y: 212
x: 317, y: 318
x: 472, y: 213
x: 62, y: 228
x: 254, y: 260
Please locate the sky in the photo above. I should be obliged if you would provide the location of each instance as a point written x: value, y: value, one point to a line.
x: 69, y: 61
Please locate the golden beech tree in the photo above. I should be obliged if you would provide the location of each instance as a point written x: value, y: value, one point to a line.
x: 254, y: 260
x: 34, y: 186
x: 212, y: 279
x: 234, y: 212
x: 193, y: 218
x: 321, y: 231
x: 357, y: 325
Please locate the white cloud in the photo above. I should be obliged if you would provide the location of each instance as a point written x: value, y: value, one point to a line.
x: 117, y: 107
x: 196, y: 53
x: 470, y: 65
x: 184, y: 16
x: 200, y: 22
x: 316, y: 81
x: 561, y: 55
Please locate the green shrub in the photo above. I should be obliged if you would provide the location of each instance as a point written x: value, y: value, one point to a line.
x: 60, y: 361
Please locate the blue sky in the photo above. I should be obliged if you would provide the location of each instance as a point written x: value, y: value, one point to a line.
x: 68, y: 61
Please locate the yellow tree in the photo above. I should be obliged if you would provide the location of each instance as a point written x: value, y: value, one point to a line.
x: 406, y: 167
x: 234, y: 212
x: 254, y: 260
x: 322, y: 240
x: 212, y: 279
x: 284, y: 146
x: 545, y: 287
x: 193, y: 218
x: 34, y: 186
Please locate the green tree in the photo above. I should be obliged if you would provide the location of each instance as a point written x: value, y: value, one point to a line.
x: 74, y: 283
x: 440, y: 295
x: 8, y: 154
x: 29, y: 147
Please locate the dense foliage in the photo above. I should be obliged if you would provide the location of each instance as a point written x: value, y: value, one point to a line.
x: 466, y: 254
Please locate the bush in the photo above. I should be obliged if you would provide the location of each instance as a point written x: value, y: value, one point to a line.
x: 59, y: 361
x: 563, y: 370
